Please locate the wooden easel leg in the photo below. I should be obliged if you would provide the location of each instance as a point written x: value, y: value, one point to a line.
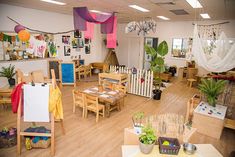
x: 18, y: 129
x: 52, y: 135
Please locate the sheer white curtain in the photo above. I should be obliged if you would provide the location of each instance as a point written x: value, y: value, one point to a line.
x: 221, y: 58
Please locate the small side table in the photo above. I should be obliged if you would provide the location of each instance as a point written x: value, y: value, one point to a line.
x: 209, y: 120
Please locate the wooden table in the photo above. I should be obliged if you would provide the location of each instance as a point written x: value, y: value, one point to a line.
x: 107, y: 96
x: 113, y: 77
x: 5, y: 95
x: 207, y: 122
x: 203, y: 150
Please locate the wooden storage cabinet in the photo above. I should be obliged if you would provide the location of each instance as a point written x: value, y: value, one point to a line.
x: 209, y: 124
x: 113, y: 77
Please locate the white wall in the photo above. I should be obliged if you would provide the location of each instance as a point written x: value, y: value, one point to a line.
x: 165, y: 31
x: 49, y: 22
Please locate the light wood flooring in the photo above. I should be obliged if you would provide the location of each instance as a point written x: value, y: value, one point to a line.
x: 85, y: 138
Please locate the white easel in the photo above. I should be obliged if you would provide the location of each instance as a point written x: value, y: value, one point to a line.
x: 52, y: 123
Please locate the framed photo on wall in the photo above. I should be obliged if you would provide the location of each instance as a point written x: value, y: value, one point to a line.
x: 67, y: 50
x: 87, y: 49
x: 77, y: 34
x: 66, y: 39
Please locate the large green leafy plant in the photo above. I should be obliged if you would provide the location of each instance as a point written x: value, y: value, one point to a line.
x: 157, y: 60
x: 8, y: 72
x: 148, y: 135
x: 212, y: 89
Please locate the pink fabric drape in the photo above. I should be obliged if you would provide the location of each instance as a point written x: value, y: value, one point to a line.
x: 112, y: 37
x: 88, y: 34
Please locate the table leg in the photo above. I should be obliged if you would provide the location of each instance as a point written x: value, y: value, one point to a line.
x: 107, y: 109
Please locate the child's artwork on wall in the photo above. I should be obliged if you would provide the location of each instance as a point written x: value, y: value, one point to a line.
x: 67, y: 50
x: 87, y: 49
x: 77, y: 34
x: 75, y: 43
x: 52, y: 49
x: 66, y: 39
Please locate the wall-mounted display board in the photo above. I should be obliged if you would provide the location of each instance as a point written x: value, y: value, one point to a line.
x: 38, y: 46
x: 67, y: 73
x: 54, y: 64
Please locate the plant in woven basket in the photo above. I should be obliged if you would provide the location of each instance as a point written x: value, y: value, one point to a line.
x: 147, y: 139
x: 212, y: 89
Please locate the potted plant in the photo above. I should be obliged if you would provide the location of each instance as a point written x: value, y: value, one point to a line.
x: 147, y: 139
x: 157, y: 65
x: 137, y: 119
x: 212, y: 89
x: 9, y: 73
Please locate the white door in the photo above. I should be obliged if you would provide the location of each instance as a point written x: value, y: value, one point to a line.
x: 134, y: 50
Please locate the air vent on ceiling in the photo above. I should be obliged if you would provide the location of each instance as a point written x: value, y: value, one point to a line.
x: 163, y: 2
x: 179, y: 12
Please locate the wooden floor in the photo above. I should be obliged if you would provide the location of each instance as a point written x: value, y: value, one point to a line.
x: 85, y: 138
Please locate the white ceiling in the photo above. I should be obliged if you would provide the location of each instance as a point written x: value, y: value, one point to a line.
x: 217, y: 9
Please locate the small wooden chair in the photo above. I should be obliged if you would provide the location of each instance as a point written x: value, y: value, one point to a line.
x: 88, y: 70
x: 93, y: 105
x: 79, y: 100
x: 81, y: 71
x: 123, y: 90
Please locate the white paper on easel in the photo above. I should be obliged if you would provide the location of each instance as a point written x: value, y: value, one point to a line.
x: 36, y: 101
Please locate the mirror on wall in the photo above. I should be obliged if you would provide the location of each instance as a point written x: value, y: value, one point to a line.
x: 181, y: 47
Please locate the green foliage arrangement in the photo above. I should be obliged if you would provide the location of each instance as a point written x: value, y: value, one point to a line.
x: 137, y: 119
x: 8, y: 72
x: 148, y: 135
x: 212, y: 88
x: 157, y: 62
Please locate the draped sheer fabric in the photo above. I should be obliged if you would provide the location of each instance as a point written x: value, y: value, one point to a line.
x: 221, y: 57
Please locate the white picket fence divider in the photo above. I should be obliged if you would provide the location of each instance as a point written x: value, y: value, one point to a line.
x: 140, y: 83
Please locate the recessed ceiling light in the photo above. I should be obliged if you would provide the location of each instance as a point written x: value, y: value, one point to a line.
x: 54, y: 2
x: 139, y: 8
x: 194, y: 3
x: 205, y: 16
x: 99, y: 12
x: 163, y: 17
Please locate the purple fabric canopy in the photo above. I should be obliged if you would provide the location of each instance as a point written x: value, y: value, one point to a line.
x: 81, y: 15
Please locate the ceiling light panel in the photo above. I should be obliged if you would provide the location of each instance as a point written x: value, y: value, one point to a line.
x: 163, y: 17
x: 53, y: 2
x: 194, y: 3
x: 205, y: 16
x: 138, y: 8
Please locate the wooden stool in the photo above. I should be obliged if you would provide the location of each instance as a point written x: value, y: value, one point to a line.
x: 190, y: 81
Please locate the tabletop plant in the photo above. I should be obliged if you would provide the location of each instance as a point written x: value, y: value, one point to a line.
x: 147, y: 139
x: 212, y: 89
x: 9, y: 73
x: 137, y: 119
x: 157, y: 62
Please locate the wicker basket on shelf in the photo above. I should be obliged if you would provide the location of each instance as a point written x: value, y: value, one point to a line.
x: 172, y: 149
x: 41, y: 144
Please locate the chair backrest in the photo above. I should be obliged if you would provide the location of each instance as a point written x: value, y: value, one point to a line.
x: 191, y: 73
x: 120, y: 88
x: 81, y: 69
x: 78, y: 98
x: 91, y: 100
x: 38, y: 76
x: 26, y: 79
